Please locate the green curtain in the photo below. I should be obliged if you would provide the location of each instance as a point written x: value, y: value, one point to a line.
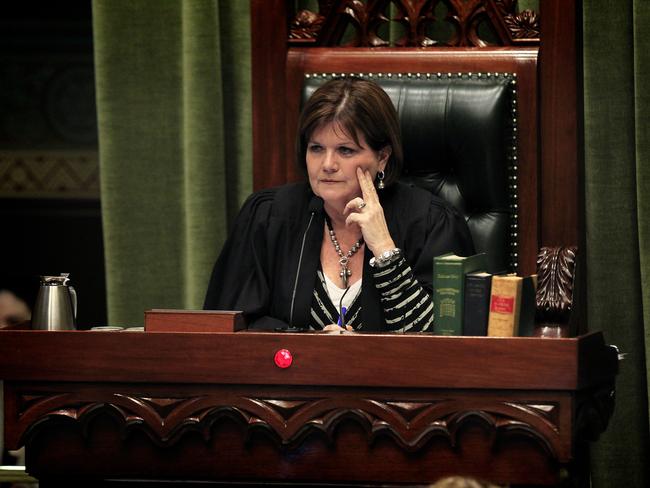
x: 174, y: 110
x: 617, y: 188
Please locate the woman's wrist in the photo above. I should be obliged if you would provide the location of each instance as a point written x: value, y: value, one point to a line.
x: 386, y: 258
x: 378, y: 250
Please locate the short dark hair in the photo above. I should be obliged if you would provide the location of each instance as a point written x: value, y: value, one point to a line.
x: 359, y: 106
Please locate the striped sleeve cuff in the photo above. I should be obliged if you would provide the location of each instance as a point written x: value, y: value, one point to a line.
x: 407, y: 306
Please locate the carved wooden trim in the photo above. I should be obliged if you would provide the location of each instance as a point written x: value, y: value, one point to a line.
x: 466, y: 17
x: 514, y: 28
x: 414, y: 18
x: 411, y: 424
x: 524, y: 25
x: 327, y: 26
x: 366, y: 20
x: 305, y: 26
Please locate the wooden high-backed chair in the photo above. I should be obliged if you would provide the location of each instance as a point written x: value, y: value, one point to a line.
x: 349, y: 36
x: 312, y: 47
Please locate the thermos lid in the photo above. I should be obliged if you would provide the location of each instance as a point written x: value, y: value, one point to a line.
x: 62, y: 279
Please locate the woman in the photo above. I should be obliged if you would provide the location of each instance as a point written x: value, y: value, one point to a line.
x: 352, y: 247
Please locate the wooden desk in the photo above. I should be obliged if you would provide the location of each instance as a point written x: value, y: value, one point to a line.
x: 350, y: 409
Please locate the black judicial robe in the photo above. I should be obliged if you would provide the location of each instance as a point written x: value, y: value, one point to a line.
x: 257, y: 268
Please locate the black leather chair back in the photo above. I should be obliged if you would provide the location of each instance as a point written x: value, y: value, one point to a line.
x: 459, y: 138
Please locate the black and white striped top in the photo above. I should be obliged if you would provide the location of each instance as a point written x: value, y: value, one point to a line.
x: 407, y: 306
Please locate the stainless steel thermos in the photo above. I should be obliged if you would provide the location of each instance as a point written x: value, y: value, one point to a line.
x: 56, y: 304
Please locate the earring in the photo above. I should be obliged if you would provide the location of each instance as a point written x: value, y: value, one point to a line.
x: 380, y: 178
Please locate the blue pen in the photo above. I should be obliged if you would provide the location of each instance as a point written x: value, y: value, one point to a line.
x: 341, y: 322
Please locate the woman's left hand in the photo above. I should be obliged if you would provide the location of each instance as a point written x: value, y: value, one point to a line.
x: 369, y: 217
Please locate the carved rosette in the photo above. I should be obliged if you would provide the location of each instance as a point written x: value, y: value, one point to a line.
x: 521, y: 27
x: 410, y: 424
x: 306, y: 25
x: 524, y: 25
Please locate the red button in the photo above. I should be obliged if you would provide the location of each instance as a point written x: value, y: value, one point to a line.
x: 283, y: 358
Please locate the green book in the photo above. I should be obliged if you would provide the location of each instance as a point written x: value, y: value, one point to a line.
x: 449, y: 272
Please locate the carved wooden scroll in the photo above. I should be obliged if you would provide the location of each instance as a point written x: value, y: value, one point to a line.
x: 468, y: 19
x: 556, y: 277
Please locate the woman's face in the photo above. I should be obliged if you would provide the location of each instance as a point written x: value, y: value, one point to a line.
x: 332, y: 161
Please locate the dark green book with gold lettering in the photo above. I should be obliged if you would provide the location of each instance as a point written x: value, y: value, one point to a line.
x: 449, y: 272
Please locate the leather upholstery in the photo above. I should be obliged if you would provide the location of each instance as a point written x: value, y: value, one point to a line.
x: 459, y: 139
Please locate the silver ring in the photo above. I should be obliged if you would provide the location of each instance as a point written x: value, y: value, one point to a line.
x: 361, y: 205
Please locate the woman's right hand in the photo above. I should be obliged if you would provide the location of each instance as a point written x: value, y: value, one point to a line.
x: 366, y: 212
x: 336, y: 328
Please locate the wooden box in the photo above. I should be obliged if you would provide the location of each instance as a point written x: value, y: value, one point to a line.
x: 168, y: 320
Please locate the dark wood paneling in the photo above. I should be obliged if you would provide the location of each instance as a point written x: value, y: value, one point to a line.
x: 561, y: 176
x: 269, y: 48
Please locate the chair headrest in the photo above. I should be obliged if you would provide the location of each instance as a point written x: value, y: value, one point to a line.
x: 459, y: 141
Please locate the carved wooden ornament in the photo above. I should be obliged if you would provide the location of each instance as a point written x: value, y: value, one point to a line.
x: 409, y: 423
x: 328, y: 26
x: 555, y: 274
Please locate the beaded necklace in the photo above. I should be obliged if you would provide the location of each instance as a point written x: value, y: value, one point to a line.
x: 344, y: 259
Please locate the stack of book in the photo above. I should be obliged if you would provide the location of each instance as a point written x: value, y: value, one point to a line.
x: 470, y: 301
